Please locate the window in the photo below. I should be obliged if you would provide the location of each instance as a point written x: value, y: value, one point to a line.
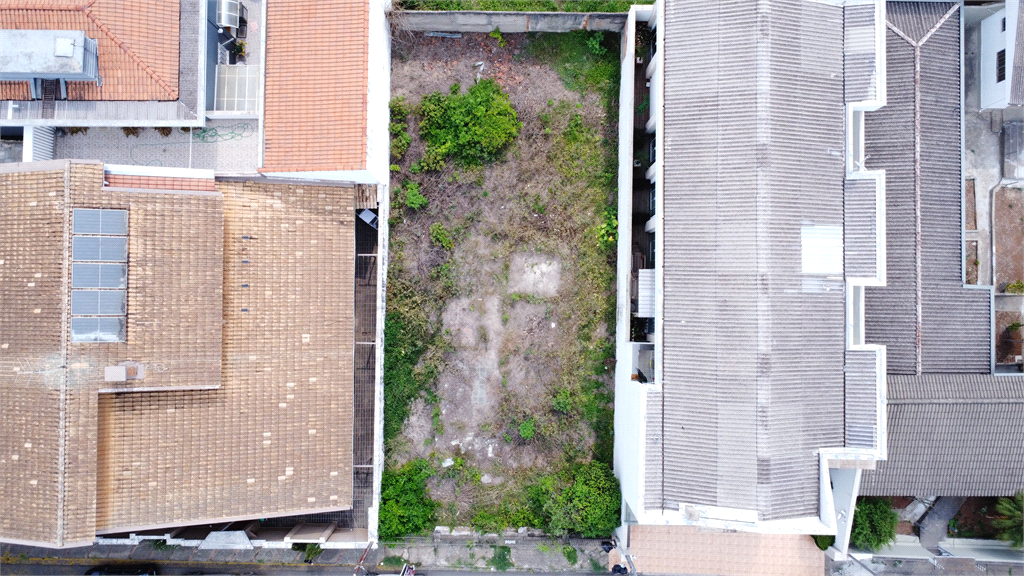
x: 99, y: 275
x: 1001, y: 66
x: 1004, y: 24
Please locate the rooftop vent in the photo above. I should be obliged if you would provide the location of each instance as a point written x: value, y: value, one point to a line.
x: 48, y: 55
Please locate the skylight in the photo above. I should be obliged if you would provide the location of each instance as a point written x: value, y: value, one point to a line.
x: 99, y: 275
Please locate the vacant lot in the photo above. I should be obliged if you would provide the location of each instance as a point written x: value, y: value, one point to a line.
x: 500, y: 296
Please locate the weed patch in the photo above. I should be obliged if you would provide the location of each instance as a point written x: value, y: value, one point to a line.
x: 502, y: 559
x: 473, y: 128
x: 405, y: 504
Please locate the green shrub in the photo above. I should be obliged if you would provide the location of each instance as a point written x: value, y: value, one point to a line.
x: 1010, y: 522
x: 407, y: 336
x: 874, y: 524
x: 400, y: 144
x: 312, y: 551
x: 502, y: 559
x: 496, y: 34
x: 594, y: 43
x: 1016, y: 287
x: 527, y: 429
x: 570, y: 554
x: 589, y: 505
x: 413, y: 198
x: 563, y: 401
x: 439, y: 235
x: 405, y: 504
x: 400, y: 139
x: 609, y: 233
x: 473, y: 128
x: 823, y: 541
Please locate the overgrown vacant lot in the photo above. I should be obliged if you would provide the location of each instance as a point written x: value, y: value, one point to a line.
x: 500, y: 301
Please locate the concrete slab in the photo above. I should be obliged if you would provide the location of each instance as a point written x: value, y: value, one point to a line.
x: 119, y: 551
x: 268, y: 555
x: 182, y: 553
x: 328, y: 557
x: 245, y: 555
x: 227, y: 540
x: 143, y: 551
x: 223, y: 555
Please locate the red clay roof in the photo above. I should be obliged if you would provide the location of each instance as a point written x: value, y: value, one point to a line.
x: 137, y: 42
x: 316, y: 77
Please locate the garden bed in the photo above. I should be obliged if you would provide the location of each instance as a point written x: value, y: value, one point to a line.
x: 500, y: 290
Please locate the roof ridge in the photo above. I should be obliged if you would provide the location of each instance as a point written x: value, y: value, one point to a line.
x: 87, y: 9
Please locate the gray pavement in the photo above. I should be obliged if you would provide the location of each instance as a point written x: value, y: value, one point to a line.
x: 935, y: 524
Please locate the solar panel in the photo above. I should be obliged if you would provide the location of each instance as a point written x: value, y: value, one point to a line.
x: 98, y: 302
x: 87, y: 221
x: 99, y: 248
x: 99, y: 275
x: 97, y: 329
x: 91, y: 221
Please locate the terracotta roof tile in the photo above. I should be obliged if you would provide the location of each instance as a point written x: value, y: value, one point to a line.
x: 316, y: 85
x: 137, y: 42
x: 222, y: 289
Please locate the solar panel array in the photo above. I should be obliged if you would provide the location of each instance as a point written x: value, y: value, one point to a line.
x: 99, y: 275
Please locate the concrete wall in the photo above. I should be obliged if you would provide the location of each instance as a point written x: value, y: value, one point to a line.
x: 993, y: 39
x: 473, y: 21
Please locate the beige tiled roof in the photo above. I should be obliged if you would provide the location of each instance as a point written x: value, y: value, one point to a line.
x: 206, y: 307
x: 137, y: 42
x: 316, y: 82
x: 687, y: 550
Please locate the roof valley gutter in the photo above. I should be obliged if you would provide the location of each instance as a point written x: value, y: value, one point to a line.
x: 63, y: 390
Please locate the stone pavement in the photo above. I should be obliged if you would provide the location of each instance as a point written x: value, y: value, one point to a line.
x: 475, y: 552
x: 946, y: 565
x: 935, y: 524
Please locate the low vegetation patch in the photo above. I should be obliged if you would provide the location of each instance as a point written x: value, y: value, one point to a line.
x: 1010, y: 522
x: 405, y: 504
x: 874, y: 524
x: 473, y: 128
x: 498, y: 378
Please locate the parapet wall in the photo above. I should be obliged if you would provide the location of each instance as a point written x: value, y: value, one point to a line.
x: 478, y: 21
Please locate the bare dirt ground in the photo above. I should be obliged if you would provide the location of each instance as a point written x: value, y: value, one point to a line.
x: 1008, y: 236
x: 526, y: 290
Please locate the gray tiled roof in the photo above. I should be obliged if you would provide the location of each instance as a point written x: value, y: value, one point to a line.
x: 860, y: 239
x: 924, y: 315
x: 753, y: 359
x: 954, y: 429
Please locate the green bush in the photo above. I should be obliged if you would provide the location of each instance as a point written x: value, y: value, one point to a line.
x: 589, y: 505
x: 570, y: 554
x: 496, y: 34
x: 823, y: 541
x: 413, y: 198
x: 312, y: 551
x: 527, y: 429
x: 407, y: 336
x: 473, y: 128
x: 563, y: 401
x: 405, y: 504
x: 502, y: 559
x: 439, y: 235
x: 1010, y: 522
x: 1015, y: 287
x: 594, y: 43
x: 400, y: 139
x: 874, y: 524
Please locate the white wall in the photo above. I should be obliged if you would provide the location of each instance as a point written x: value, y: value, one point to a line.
x: 378, y: 139
x: 993, y: 39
